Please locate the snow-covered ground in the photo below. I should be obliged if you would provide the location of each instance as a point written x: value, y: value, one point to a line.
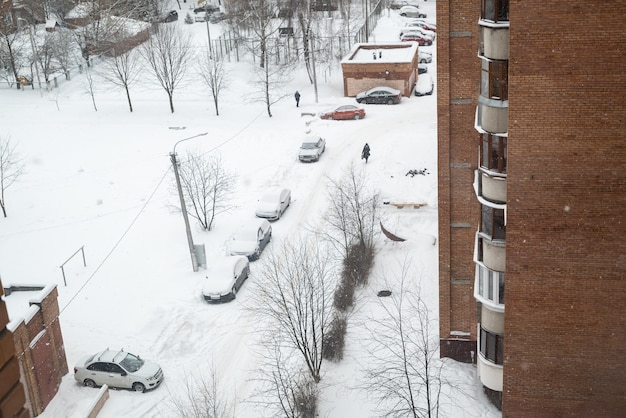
x: 102, y: 180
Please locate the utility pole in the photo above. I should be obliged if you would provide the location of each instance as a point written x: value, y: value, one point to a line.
x: 183, y: 208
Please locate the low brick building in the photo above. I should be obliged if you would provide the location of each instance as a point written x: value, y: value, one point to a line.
x: 370, y: 65
x: 38, y: 348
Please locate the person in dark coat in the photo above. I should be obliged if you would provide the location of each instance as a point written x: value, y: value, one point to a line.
x: 365, y: 154
x: 297, y: 96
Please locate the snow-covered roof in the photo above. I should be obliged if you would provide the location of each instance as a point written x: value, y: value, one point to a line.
x: 388, y: 52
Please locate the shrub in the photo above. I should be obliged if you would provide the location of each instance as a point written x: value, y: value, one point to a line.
x: 344, y: 294
x: 358, y: 263
x: 334, y: 339
x: 306, y: 399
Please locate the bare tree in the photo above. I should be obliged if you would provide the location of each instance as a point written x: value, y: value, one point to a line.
x: 168, y: 54
x: 11, y: 168
x: 269, y: 81
x: 296, y: 288
x: 403, y: 367
x: 353, y: 211
x: 90, y: 86
x: 207, y: 187
x: 12, y: 48
x: 286, y: 389
x: 201, y: 397
x: 214, y: 75
x: 123, y: 71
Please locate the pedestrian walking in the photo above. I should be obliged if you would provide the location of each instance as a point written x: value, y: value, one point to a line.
x: 297, y: 96
x: 365, y: 154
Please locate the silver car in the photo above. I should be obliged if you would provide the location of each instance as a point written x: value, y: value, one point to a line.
x: 273, y: 204
x: 311, y: 149
x: 225, y: 278
x: 250, y: 240
x: 118, y: 369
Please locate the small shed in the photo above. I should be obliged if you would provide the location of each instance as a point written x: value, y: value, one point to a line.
x: 370, y: 65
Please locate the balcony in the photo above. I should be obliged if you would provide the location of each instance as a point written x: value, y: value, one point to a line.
x: 492, y: 115
x: 489, y: 291
x: 491, y: 186
x: 493, y: 40
x: 490, y: 374
x: 491, y: 253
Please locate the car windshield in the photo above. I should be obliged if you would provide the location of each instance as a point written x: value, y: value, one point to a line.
x: 309, y: 145
x: 131, y: 363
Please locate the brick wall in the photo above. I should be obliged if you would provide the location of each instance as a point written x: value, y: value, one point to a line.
x: 565, y: 346
x: 12, y: 395
x: 39, y: 349
x: 458, y: 72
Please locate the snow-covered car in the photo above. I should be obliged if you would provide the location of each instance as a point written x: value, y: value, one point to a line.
x: 424, y: 57
x: 425, y: 85
x: 416, y: 37
x: 407, y: 30
x: 209, y: 8
x: 311, y: 149
x: 419, y: 23
x: 422, y: 68
x: 201, y: 17
x: 118, y: 369
x: 344, y: 112
x: 217, y: 17
x: 380, y: 95
x: 250, y: 240
x: 411, y: 11
x: 225, y: 278
x: 398, y: 4
x: 273, y: 204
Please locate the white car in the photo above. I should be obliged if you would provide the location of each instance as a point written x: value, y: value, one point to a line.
x: 273, y: 204
x: 250, y: 240
x: 411, y: 11
x: 424, y: 57
x: 118, y: 369
x: 201, y: 17
x: 425, y: 85
x: 225, y: 278
x: 311, y: 149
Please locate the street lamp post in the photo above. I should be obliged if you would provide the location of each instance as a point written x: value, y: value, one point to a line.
x: 183, y: 208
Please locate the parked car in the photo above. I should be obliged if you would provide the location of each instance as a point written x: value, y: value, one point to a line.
x: 380, y: 95
x: 170, y: 16
x: 424, y: 57
x: 217, y: 17
x: 419, y: 23
x: 416, y: 37
x: 225, y: 278
x: 311, y: 149
x: 398, y: 4
x: 201, y: 17
x: 208, y: 8
x: 411, y: 11
x: 422, y: 68
x: 344, y: 112
x: 251, y: 239
x: 118, y: 369
x: 416, y: 29
x: 424, y: 86
x: 273, y: 204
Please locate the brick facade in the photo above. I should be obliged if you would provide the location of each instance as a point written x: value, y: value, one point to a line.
x: 565, y: 346
x: 458, y: 73
x: 12, y: 395
x: 565, y: 315
x: 39, y: 349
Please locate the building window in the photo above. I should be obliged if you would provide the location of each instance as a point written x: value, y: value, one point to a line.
x: 493, y: 152
x: 492, y: 223
x: 491, y: 346
x: 495, y: 79
x: 495, y: 10
x: 491, y: 285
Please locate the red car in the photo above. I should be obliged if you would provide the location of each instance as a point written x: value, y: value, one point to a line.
x: 414, y: 37
x: 344, y: 112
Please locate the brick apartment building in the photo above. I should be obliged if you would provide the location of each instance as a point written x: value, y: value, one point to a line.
x: 532, y: 201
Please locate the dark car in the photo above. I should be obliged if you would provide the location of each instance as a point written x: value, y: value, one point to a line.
x: 171, y: 16
x: 208, y: 8
x: 380, y: 95
x: 225, y: 278
x: 217, y: 17
x: 344, y: 112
